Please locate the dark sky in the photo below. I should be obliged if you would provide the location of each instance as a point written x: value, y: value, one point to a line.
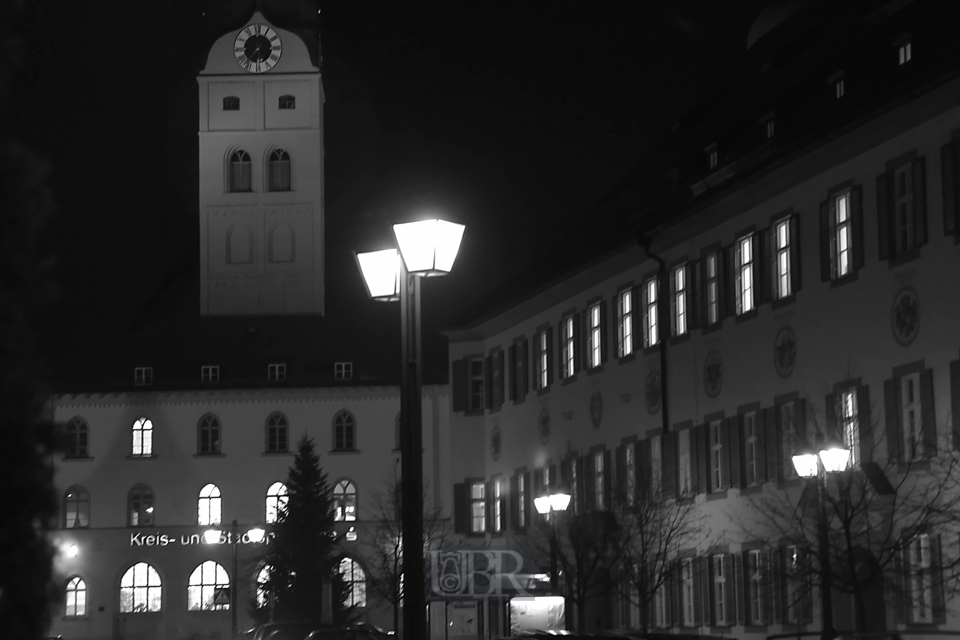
x: 514, y: 117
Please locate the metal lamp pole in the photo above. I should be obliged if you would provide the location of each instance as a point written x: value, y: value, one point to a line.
x: 826, y: 584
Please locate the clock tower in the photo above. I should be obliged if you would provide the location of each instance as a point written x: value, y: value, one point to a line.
x: 261, y: 159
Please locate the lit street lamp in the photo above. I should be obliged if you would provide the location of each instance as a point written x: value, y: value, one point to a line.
x: 809, y: 464
x: 427, y: 248
x: 212, y: 536
x: 553, y: 503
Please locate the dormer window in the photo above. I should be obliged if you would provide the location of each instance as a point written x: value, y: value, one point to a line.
x: 231, y: 103
x: 210, y: 374
x: 839, y: 87
x: 904, y: 52
x: 767, y: 120
x: 288, y: 102
x: 143, y: 376
x: 713, y: 157
x: 343, y: 371
x: 277, y: 372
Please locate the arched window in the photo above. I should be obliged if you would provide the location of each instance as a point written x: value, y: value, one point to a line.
x: 76, y: 598
x: 263, y: 576
x: 77, y: 438
x: 288, y: 102
x: 209, y: 588
x: 278, y: 170
x: 281, y: 243
x: 356, y: 581
x: 140, y: 506
x: 140, y: 589
x: 345, y: 501
x: 208, y: 435
x: 276, y: 501
x: 76, y: 508
x: 142, y: 437
x: 276, y: 433
x: 231, y: 103
x: 208, y: 506
x: 241, y: 175
x: 239, y: 245
x: 344, y: 432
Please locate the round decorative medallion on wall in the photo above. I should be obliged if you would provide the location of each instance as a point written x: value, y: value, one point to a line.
x: 596, y: 409
x: 905, y: 316
x: 713, y: 374
x: 651, y: 392
x: 785, y: 351
x: 543, y: 426
x: 495, y: 442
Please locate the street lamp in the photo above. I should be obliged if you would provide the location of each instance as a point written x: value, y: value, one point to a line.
x: 831, y: 458
x: 554, y: 503
x: 213, y: 536
x: 427, y: 248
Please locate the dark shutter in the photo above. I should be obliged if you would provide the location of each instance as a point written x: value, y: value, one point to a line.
x: 527, y: 505
x: 901, y: 569
x: 695, y: 454
x: 581, y: 486
x: 800, y: 419
x: 514, y: 501
x: 512, y: 363
x: 955, y: 401
x: 864, y: 424
x: 589, y: 482
x: 676, y: 586
x: 951, y: 185
x: 460, y: 385
x: 461, y: 507
x: 701, y: 291
x: 885, y: 208
x: 730, y: 466
x: 856, y: 212
x: 503, y: 377
x: 620, y: 493
x: 728, y: 286
x: 796, y: 270
x: 538, y: 487
x: 826, y: 241
x: 776, y: 587
x: 729, y: 590
x: 578, y: 343
x: 669, y: 465
x: 488, y: 506
x: 642, y: 467
x: 604, y: 349
x: 763, y: 267
x: 774, y: 441
x: 550, y: 362
x: 830, y: 414
x: 929, y: 424
x: 525, y: 354
x: 920, y: 201
x: 488, y: 382
x: 891, y: 417
x: 607, y: 488
x: 761, y: 446
x: 739, y: 589
x: 936, y: 568
x: 698, y: 580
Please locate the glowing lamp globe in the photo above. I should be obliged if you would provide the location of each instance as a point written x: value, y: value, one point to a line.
x: 429, y: 247
x: 381, y: 273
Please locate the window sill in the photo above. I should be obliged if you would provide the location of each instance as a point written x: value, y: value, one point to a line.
x: 519, y: 400
x: 785, y: 301
x: 711, y: 328
x: 74, y: 618
x: 752, y: 489
x: 675, y: 340
x: 473, y: 412
x: 276, y: 453
x: 904, y: 258
x: 839, y: 282
x: 543, y: 391
x: 150, y: 457
x: 746, y: 317
x: 592, y: 371
x: 649, y: 351
x: 630, y: 357
x: 209, y: 455
x: 76, y: 458
x: 717, y: 495
x: 568, y: 380
x: 340, y: 452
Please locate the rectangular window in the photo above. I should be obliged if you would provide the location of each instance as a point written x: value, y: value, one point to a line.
x: 624, y: 323
x: 712, y: 286
x: 342, y: 370
x: 904, y: 53
x: 661, y: 611
x: 680, y: 296
x: 920, y: 566
x: 770, y: 128
x: 594, y: 335
x: 839, y: 88
x: 497, y: 506
x: 757, y: 567
x: 630, y: 473
x: 686, y: 593
x: 475, y: 397
x: 686, y: 479
x: 712, y: 159
x: 210, y: 374
x: 841, y: 239
x: 276, y: 372
x: 656, y: 468
x: 651, y: 334
x: 542, y: 352
x: 143, y: 376
x: 478, y: 508
x: 569, y: 336
x: 745, y: 263
x: 911, y: 417
x: 750, y: 446
x: 496, y: 379
x: 903, y: 223
x: 849, y: 424
x: 522, y: 500
x: 716, y: 456
x: 598, y: 488
x: 719, y: 590
x: 782, y: 261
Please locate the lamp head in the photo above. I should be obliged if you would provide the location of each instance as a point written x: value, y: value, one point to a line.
x: 805, y: 462
x: 211, y: 536
x: 429, y: 247
x: 381, y: 273
x: 542, y: 504
x: 559, y: 501
x: 834, y: 456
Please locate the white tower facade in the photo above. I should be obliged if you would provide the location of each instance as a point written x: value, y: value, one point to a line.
x: 261, y: 174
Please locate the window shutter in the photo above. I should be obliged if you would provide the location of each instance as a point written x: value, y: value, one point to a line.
x: 740, y: 591
x: 488, y: 382
x: 920, y: 200
x: 697, y: 456
x: 830, y: 414
x: 762, y: 268
x: 891, y: 416
x: 620, y: 494
x: 796, y: 269
x: 523, y: 353
x: 950, y: 166
x: 929, y: 424
x: 642, y: 466
x: 762, y: 447
x: 589, y: 482
x: 512, y: 363
x: 528, y: 498
x: 461, y: 507
x: 549, y: 331
x: 774, y: 443
x: 503, y: 377
x: 515, y: 501
x: 608, y: 492
x: 676, y: 584
x: 669, y: 464
x: 767, y: 586
x: 955, y: 401
x: 538, y: 488
x: 690, y: 272
x: 728, y: 285
x: 459, y: 385
x: 732, y: 442
x: 776, y: 588
x: 578, y: 343
x: 936, y: 568
x: 826, y: 242
x: 729, y: 590
x: 581, y: 467
x: 800, y: 418
x: 701, y: 292
x: 864, y: 424
x: 901, y: 572
x: 604, y: 349
x: 696, y: 567
x: 856, y: 212
x: 885, y: 209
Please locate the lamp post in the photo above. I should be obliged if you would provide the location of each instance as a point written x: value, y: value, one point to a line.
x: 831, y: 458
x: 213, y: 536
x: 553, y: 503
x: 427, y: 248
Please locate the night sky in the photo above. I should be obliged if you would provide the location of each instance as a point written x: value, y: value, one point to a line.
x: 513, y: 118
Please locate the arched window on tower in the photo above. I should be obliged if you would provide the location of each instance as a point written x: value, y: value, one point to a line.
x: 281, y: 243
x: 239, y: 245
x: 277, y: 433
x: 78, y: 438
x: 76, y: 508
x: 356, y: 582
x: 240, y: 177
x: 140, y: 506
x: 288, y: 102
x: 142, y: 433
x: 276, y: 501
x: 344, y: 432
x: 278, y: 171
x: 76, y: 598
x: 208, y: 435
x: 208, y: 506
x: 345, y: 501
x: 231, y: 103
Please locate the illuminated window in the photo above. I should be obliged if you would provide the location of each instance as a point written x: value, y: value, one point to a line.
x: 630, y: 471
x: 770, y: 128
x: 356, y: 582
x: 716, y: 455
x: 720, y: 600
x: 288, y: 102
x: 208, y: 435
x: 276, y: 501
x: 231, y: 103
x: 712, y: 285
x: 478, y: 508
x: 687, y: 609
x: 542, y: 358
x: 745, y: 274
x: 276, y: 372
x: 78, y: 438
x: 342, y: 370
x: 521, y: 500
x: 140, y: 589
x: 712, y: 157
x: 850, y: 424
x: 911, y: 417
x: 656, y: 468
x: 76, y: 598
x: 686, y: 469
x: 263, y: 582
x: 345, y: 501
x: 681, y: 292
x: 750, y: 446
x: 143, y: 376
x: 240, y: 176
x: 344, y: 432
x: 278, y: 168
x: 783, y: 265
x: 599, y: 489
x: 594, y: 336
x: 210, y: 374
x: 624, y: 323
x: 568, y: 333
x: 208, y: 506
x: 905, y: 53
x: 142, y: 437
x: 920, y: 568
x: 76, y: 508
x: 661, y: 601
x: 497, y: 506
x: 839, y: 88
x: 651, y: 334
x: 758, y: 564
x: 277, y: 433
x: 841, y: 237
x: 209, y: 588
x: 496, y: 379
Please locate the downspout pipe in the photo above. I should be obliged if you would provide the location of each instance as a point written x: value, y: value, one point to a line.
x: 663, y: 325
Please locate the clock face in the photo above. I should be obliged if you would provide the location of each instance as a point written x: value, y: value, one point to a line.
x: 257, y: 48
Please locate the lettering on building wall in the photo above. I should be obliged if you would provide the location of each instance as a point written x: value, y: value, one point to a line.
x: 141, y: 539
